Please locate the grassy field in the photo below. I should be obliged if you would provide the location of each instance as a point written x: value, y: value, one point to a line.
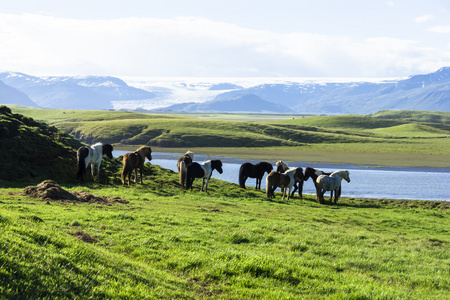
x: 355, y: 139
x: 158, y: 241
x: 231, y: 243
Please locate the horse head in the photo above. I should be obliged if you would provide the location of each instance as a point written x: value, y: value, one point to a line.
x: 149, y: 153
x: 190, y: 154
x: 281, y: 166
x: 299, y: 174
x: 267, y: 167
x: 308, y: 172
x: 216, y: 165
x: 346, y: 175
x: 107, y: 150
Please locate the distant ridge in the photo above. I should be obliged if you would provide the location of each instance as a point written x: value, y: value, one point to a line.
x: 429, y: 92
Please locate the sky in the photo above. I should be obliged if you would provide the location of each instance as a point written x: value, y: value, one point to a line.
x: 225, y: 38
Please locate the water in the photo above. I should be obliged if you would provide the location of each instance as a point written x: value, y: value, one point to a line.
x: 366, y: 182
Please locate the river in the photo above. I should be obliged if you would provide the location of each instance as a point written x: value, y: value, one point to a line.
x: 366, y: 181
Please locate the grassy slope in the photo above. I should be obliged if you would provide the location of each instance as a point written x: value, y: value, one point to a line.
x: 229, y: 243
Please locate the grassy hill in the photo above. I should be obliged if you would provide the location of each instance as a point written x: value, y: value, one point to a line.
x: 163, y: 242
x: 337, y: 139
x: 231, y: 243
x: 33, y: 149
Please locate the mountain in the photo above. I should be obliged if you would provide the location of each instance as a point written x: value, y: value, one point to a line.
x: 244, y: 103
x: 80, y: 92
x: 429, y: 92
x: 420, y: 92
x: 10, y: 95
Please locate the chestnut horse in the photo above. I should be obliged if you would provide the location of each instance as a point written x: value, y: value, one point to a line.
x: 204, y: 171
x: 134, y: 161
x: 92, y: 156
x: 253, y: 171
x: 314, y: 173
x: 284, y: 180
x: 283, y: 167
x: 331, y: 183
x: 182, y: 164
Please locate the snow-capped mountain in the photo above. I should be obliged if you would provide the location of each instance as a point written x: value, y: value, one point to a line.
x: 80, y: 92
x: 257, y: 95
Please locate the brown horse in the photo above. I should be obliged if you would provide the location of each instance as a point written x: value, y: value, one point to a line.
x: 284, y: 181
x: 133, y: 161
x: 182, y: 164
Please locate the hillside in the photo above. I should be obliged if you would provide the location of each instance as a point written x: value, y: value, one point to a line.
x: 229, y: 243
x: 34, y: 150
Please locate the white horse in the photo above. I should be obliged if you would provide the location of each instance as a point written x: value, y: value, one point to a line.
x: 331, y: 183
x: 92, y: 156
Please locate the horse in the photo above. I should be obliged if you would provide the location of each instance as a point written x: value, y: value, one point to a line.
x: 182, y: 164
x: 253, y: 171
x: 331, y: 183
x: 284, y: 180
x: 92, y: 156
x: 134, y: 161
x: 283, y: 167
x: 204, y: 171
x: 314, y: 173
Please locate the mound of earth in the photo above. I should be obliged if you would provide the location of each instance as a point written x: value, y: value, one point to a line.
x: 34, y: 150
x: 51, y: 191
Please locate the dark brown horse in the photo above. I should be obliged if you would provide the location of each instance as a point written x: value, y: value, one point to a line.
x: 134, y: 161
x: 182, y: 164
x: 314, y: 173
x: 253, y: 171
x: 285, y: 181
x: 92, y: 156
x: 204, y: 171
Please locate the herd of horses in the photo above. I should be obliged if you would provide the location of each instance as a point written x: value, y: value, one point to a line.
x: 288, y: 179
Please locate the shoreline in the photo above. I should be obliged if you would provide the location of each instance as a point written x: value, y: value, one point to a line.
x: 319, y: 159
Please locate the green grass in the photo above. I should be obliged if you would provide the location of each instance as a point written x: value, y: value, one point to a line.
x: 344, y: 139
x: 228, y: 244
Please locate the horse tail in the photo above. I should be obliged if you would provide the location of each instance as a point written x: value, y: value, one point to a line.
x: 268, y: 186
x: 183, y: 173
x: 82, y: 153
x: 242, y: 177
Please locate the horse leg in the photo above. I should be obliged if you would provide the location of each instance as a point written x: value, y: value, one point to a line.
x: 300, y: 189
x: 140, y: 169
x: 258, y: 180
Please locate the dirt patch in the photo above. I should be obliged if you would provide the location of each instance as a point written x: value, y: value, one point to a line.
x: 49, y: 190
x: 83, y: 236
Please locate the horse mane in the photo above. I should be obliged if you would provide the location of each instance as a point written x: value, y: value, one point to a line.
x: 190, y: 154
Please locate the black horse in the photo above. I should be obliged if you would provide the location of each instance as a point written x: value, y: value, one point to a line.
x: 204, y: 171
x: 253, y: 171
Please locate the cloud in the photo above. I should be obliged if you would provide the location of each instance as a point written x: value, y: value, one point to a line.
x: 424, y: 18
x: 440, y: 29
x: 46, y: 45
